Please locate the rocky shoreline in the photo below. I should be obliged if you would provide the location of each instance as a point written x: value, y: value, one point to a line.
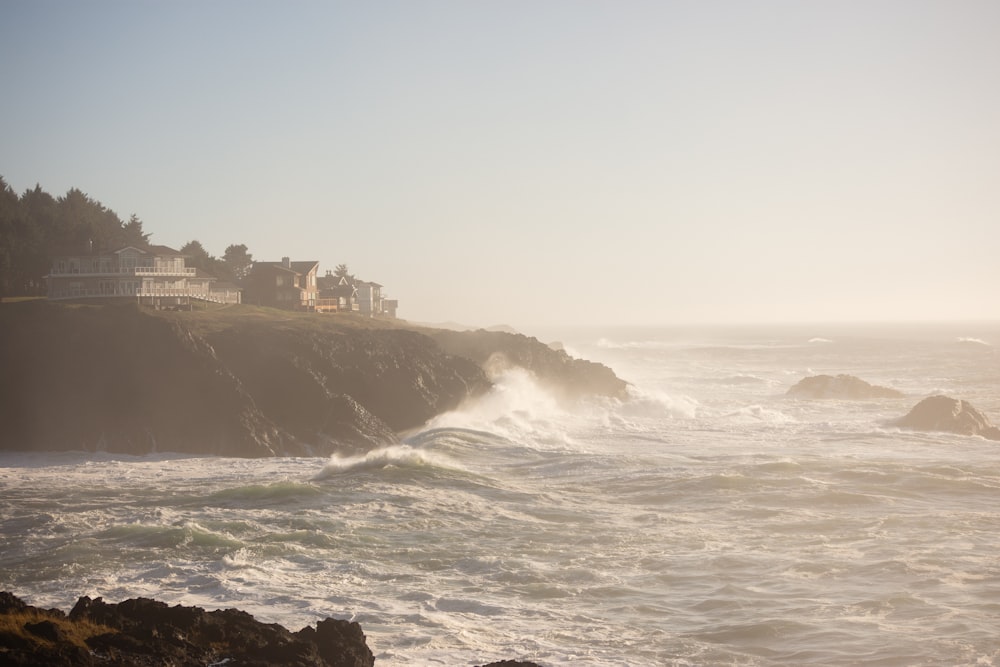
x: 246, y: 381
x: 147, y: 633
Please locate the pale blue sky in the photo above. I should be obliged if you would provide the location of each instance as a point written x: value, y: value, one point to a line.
x: 544, y: 161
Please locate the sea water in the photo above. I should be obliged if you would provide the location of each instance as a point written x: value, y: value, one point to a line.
x: 708, y: 520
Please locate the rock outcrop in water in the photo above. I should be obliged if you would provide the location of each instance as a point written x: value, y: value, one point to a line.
x: 150, y: 633
x: 568, y: 377
x: 242, y: 381
x: 845, y: 387
x: 943, y: 413
x: 147, y: 633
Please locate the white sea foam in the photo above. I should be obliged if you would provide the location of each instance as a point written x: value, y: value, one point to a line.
x: 656, y: 403
x: 820, y: 340
x: 974, y: 341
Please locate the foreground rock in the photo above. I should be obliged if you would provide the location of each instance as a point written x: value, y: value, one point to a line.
x: 243, y: 381
x: 845, y: 387
x: 149, y: 633
x: 943, y: 413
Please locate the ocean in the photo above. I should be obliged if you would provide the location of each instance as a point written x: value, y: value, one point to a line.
x: 708, y: 520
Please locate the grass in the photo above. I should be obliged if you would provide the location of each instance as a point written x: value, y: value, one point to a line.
x: 208, y: 318
x: 76, y: 632
x: 211, y: 318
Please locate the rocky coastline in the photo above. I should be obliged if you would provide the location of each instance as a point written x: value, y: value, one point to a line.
x: 147, y: 633
x: 246, y: 381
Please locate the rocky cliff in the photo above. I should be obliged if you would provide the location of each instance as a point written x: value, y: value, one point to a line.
x: 243, y: 381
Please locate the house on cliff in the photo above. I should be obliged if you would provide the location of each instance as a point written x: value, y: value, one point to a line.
x: 337, y: 294
x: 345, y: 293
x: 285, y: 284
x: 372, y: 302
x: 155, y: 275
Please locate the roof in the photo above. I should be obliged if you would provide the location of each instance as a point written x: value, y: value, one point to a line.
x: 297, y: 267
x: 158, y: 250
x: 164, y: 250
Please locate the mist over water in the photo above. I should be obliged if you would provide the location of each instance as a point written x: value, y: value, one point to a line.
x: 709, y: 520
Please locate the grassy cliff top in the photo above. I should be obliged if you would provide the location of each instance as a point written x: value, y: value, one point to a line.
x: 212, y: 318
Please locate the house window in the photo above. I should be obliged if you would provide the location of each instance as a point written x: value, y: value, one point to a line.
x: 279, y: 281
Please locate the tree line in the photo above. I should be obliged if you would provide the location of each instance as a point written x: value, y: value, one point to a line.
x: 35, y: 227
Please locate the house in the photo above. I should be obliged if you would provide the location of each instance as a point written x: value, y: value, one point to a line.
x: 284, y: 284
x: 337, y: 294
x: 372, y: 301
x: 155, y: 275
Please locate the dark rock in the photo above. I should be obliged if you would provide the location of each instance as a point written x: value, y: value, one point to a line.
x: 46, y: 630
x: 841, y: 387
x: 148, y: 632
x: 943, y: 413
x: 11, y: 604
x: 512, y: 663
x: 566, y: 376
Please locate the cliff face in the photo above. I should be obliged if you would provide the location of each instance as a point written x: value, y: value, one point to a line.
x: 119, y: 379
x: 568, y: 377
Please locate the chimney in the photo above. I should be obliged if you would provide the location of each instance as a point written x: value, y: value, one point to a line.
x: 286, y: 262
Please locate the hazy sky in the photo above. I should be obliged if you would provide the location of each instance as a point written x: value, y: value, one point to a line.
x: 540, y: 161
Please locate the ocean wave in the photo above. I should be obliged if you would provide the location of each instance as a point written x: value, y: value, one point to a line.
x: 653, y: 403
x: 760, y: 414
x: 257, y: 493
x: 974, y: 341
x: 395, y: 456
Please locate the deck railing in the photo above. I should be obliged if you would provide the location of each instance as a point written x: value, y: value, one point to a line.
x: 126, y: 271
x: 97, y: 293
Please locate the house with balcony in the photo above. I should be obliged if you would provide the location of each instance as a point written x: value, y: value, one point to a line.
x: 285, y: 284
x: 372, y: 302
x: 337, y: 294
x: 153, y: 275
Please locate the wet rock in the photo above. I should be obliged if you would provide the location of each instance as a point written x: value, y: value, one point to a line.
x: 565, y: 376
x: 151, y: 633
x: 943, y: 413
x: 845, y: 387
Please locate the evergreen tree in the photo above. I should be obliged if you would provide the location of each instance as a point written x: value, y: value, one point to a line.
x: 342, y: 272
x: 132, y: 233
x: 238, y: 261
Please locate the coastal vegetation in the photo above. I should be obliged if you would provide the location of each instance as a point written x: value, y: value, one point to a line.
x: 35, y: 227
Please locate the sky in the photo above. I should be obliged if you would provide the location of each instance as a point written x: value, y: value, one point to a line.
x: 540, y: 162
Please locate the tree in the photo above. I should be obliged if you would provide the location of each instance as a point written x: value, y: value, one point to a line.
x: 10, y: 215
x: 342, y: 272
x: 238, y: 261
x: 132, y: 233
x: 197, y: 256
x: 87, y: 224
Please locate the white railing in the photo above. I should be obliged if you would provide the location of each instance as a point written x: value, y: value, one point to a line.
x: 130, y: 271
x: 97, y: 293
x: 161, y: 271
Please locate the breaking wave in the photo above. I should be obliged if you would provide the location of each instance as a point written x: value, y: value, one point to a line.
x: 395, y: 456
